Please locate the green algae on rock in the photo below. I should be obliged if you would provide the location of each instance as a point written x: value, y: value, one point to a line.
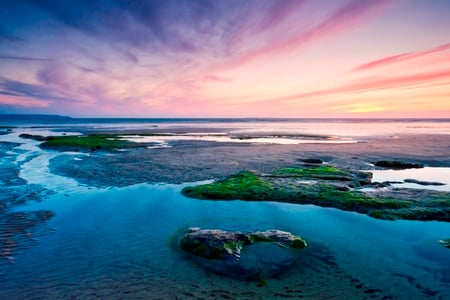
x: 244, y: 185
x: 253, y: 256
x: 90, y: 142
x: 326, y: 186
x: 320, y: 172
x: 224, y: 245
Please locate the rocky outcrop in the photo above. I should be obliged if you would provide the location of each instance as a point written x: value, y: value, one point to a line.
x: 225, y: 245
x: 251, y: 256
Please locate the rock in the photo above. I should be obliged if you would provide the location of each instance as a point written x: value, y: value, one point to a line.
x: 315, y: 161
x: 225, y: 245
x: 251, y: 256
x: 363, y: 178
x: 397, y: 165
x: 423, y: 182
x: 285, y: 239
x: 214, y: 243
x: 35, y: 137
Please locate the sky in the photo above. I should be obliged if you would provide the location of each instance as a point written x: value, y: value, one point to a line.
x: 226, y: 58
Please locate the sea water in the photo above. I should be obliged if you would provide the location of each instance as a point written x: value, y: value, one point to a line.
x: 122, y: 243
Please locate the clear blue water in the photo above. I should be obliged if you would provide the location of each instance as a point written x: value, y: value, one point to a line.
x: 120, y: 243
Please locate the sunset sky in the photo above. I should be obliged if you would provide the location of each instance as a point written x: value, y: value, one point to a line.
x: 226, y: 58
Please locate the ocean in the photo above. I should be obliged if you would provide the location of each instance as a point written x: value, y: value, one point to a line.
x: 121, y: 242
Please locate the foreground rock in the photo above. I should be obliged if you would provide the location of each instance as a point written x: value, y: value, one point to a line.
x: 250, y: 256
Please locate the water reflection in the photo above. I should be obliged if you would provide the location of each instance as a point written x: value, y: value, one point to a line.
x: 428, y: 177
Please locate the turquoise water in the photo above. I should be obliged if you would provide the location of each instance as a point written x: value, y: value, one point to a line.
x: 119, y: 243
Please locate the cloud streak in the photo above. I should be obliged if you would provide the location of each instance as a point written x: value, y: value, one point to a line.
x: 370, y: 84
x: 400, y: 58
x: 32, y: 91
x: 23, y: 58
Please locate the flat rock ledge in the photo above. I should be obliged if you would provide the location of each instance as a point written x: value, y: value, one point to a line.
x: 245, y: 256
x: 225, y: 245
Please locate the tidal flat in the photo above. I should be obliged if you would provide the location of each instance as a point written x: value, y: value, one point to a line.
x: 105, y: 215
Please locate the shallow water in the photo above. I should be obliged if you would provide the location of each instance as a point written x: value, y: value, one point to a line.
x: 162, y: 141
x: 119, y: 242
x: 427, y: 174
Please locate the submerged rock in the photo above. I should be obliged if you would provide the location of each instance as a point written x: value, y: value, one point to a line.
x: 251, y: 256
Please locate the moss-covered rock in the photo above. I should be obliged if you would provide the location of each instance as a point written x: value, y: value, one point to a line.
x: 321, y: 186
x: 244, y: 185
x: 91, y: 142
x: 285, y: 239
x: 320, y: 172
x: 253, y: 256
x: 225, y: 245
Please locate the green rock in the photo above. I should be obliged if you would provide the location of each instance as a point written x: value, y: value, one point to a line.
x: 327, y: 186
x: 224, y: 245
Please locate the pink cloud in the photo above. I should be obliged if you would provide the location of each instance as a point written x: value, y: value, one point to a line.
x: 400, y: 57
x: 347, y: 18
x: 371, y: 84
